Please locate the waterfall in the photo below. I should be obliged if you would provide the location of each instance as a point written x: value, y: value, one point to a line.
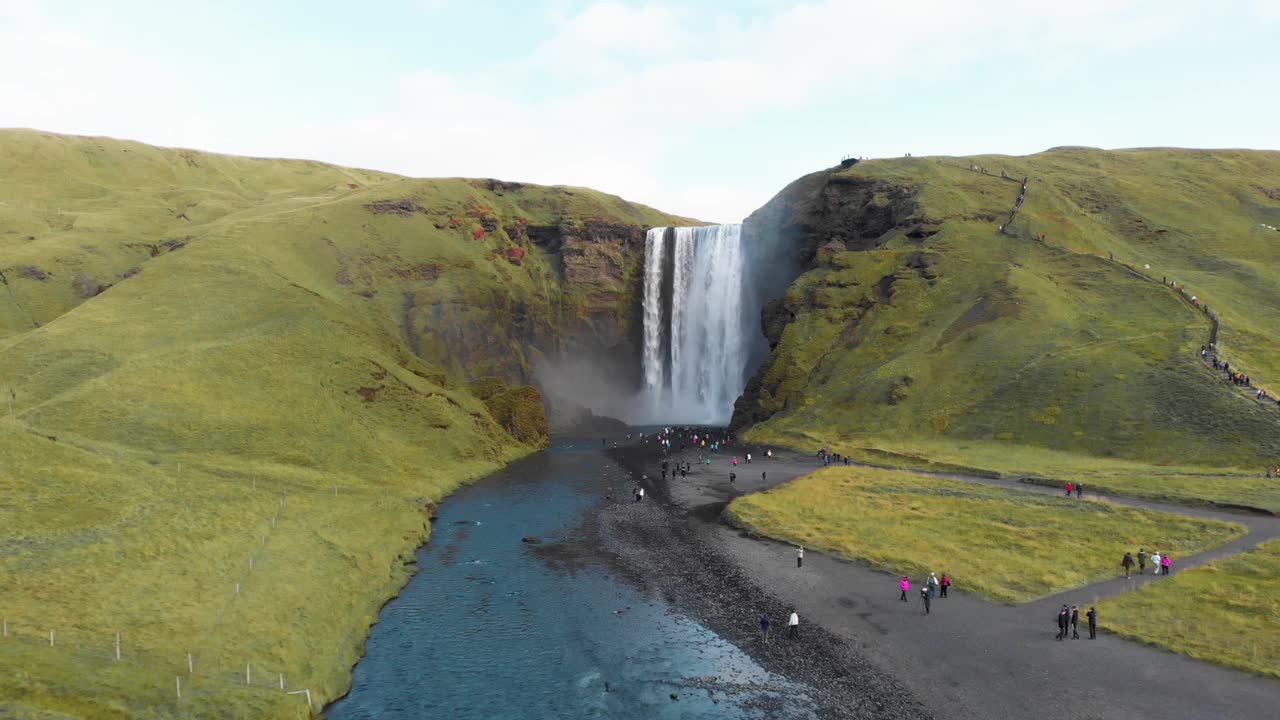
x: 695, y: 335
x: 654, y: 241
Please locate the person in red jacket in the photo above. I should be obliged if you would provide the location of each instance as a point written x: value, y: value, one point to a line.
x: 943, y: 584
x: 1068, y: 489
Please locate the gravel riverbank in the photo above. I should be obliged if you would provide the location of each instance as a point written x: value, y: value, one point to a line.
x: 674, y: 550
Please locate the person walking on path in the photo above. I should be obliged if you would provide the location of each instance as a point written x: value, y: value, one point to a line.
x: 764, y: 626
x: 1155, y: 562
x: 799, y: 556
x: 748, y: 458
x: 1064, y: 617
x: 735, y: 461
x: 793, y: 626
x: 1093, y: 623
x: 1068, y: 489
x: 924, y: 595
x: 932, y: 584
x: 904, y: 585
x: 732, y: 477
x: 1075, y: 622
x: 1142, y: 561
x: 1079, y: 490
x: 1127, y: 564
x: 769, y: 454
x: 1166, y: 562
x: 639, y: 494
x: 944, y: 584
x: 764, y: 476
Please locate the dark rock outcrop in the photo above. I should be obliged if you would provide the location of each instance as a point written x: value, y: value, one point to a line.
x: 821, y: 217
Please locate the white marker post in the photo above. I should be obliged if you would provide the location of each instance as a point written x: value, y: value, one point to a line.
x: 50, y: 638
x: 117, y: 647
x: 281, y: 681
x: 191, y: 665
x: 178, y: 680
x: 248, y: 677
x: 301, y: 692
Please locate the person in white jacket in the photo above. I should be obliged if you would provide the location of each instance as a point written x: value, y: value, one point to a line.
x: 793, y: 626
x: 1155, y: 561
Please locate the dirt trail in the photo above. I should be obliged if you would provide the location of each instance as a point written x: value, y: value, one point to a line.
x: 972, y: 658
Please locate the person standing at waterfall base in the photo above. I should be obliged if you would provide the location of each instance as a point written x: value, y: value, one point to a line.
x: 800, y: 556
x: 793, y: 626
x: 748, y: 458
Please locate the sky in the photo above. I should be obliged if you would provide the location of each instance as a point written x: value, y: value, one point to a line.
x: 700, y: 109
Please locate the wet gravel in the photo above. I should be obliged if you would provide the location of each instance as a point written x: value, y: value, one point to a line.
x: 670, y: 551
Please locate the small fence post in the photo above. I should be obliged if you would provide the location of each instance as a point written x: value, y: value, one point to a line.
x: 117, y: 647
x: 248, y: 676
x: 50, y: 638
x: 250, y: 563
x: 281, y: 681
x: 6, y: 628
x: 178, y: 681
x: 191, y: 666
x: 237, y: 588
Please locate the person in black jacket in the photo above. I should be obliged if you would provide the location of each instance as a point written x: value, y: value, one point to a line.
x: 1093, y: 623
x: 1064, y: 618
x: 1075, y: 621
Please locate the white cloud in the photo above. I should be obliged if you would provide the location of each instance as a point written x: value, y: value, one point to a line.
x: 614, y: 98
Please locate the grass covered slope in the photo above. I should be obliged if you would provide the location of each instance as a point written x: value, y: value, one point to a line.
x: 187, y: 338
x: 925, y: 332
x: 1004, y: 544
x: 1227, y: 611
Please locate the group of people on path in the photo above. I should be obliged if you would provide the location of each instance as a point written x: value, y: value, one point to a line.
x: 933, y: 587
x: 1078, y: 488
x: 830, y: 458
x: 1069, y: 621
x: 1161, y: 564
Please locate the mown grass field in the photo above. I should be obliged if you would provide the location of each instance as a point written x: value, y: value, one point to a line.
x: 264, y: 334
x: 1227, y: 611
x: 999, y: 543
x: 1187, y: 485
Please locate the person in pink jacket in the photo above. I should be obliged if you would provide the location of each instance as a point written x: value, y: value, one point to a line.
x: 904, y: 584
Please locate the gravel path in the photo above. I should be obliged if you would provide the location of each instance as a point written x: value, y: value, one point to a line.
x: 870, y: 655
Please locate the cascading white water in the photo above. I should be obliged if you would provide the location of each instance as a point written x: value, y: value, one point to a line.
x: 652, y: 361
x: 701, y: 373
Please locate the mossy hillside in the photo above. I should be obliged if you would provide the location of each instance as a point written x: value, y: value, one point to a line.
x: 938, y: 329
x: 310, y: 332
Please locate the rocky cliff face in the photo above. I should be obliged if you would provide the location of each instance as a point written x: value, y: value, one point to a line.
x: 816, y: 219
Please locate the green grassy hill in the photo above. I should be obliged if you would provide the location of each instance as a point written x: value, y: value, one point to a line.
x: 187, y: 338
x: 922, y: 332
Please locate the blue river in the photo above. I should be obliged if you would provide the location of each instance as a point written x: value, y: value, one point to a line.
x: 491, y: 627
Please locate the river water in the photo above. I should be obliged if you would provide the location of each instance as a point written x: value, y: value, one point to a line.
x: 492, y: 627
